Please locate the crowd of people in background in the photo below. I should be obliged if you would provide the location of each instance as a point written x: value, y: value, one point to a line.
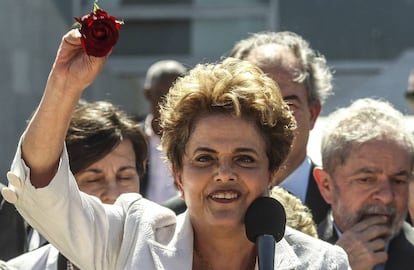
x: 104, y: 190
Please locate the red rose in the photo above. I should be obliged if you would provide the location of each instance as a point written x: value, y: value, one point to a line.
x: 99, y: 32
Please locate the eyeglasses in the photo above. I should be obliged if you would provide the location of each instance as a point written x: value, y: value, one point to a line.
x: 409, y: 95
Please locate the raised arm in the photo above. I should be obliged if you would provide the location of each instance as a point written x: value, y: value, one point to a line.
x: 44, y: 137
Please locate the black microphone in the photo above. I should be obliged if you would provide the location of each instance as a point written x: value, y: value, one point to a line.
x: 265, y: 222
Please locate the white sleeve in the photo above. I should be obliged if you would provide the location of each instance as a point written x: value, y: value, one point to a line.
x: 88, y: 232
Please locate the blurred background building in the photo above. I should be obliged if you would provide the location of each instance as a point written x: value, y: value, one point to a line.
x: 369, y: 44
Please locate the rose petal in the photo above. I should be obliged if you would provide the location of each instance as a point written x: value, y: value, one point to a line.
x: 99, y: 32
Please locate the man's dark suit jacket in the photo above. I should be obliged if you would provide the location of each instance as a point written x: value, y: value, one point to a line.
x: 400, y: 249
x: 13, y: 235
x: 314, y: 199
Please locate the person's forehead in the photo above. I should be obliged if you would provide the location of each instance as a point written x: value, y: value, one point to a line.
x: 218, y: 129
x: 379, y: 154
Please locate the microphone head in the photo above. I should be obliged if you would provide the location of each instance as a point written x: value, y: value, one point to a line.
x: 265, y: 216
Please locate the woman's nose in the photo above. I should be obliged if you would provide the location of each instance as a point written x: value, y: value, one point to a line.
x: 225, y: 171
x: 111, y: 193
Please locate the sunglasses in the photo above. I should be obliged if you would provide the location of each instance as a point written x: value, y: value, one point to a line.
x: 409, y: 95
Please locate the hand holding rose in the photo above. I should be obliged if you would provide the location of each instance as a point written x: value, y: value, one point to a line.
x: 81, y: 56
x: 96, y: 35
x: 73, y: 68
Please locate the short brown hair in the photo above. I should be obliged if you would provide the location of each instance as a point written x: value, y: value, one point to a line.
x: 235, y: 87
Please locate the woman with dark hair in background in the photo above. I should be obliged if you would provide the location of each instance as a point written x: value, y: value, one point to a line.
x: 107, y: 154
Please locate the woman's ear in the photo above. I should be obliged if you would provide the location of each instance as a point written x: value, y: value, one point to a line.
x: 178, y: 180
x: 273, y: 179
x: 324, y: 182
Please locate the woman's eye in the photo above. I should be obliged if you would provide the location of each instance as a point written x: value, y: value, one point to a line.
x: 127, y: 175
x: 92, y: 180
x: 246, y: 159
x: 204, y: 158
x: 127, y: 178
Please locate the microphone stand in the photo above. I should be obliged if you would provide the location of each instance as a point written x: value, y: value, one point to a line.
x: 266, y: 251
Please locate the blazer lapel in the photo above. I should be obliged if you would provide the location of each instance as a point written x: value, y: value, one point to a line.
x: 178, y: 254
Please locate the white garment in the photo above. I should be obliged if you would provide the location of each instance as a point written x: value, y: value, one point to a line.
x: 43, y: 258
x: 297, y: 182
x: 134, y: 233
x: 160, y: 181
